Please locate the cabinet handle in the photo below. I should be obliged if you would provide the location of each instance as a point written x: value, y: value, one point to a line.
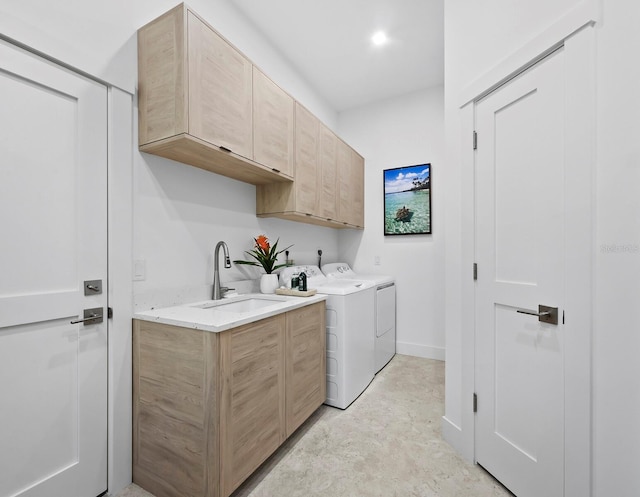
x: 307, y: 214
x: 225, y: 149
x: 275, y: 170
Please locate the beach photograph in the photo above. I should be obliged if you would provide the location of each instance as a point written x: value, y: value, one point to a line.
x: 407, y: 200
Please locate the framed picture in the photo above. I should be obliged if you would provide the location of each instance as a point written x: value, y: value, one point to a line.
x: 407, y: 200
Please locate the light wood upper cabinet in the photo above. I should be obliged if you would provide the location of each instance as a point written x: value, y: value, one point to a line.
x: 272, y: 124
x: 357, y: 189
x: 202, y: 102
x: 325, y: 175
x: 306, y: 162
x: 350, y: 185
x: 195, y: 98
x: 220, y: 90
x: 328, y: 174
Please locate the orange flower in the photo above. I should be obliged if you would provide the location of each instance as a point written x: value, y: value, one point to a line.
x: 262, y: 242
x: 264, y: 254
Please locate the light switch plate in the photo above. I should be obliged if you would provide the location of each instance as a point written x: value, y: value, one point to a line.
x: 139, y: 270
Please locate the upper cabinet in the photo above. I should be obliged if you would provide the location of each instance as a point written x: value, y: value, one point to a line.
x: 220, y: 90
x: 202, y: 102
x: 350, y: 185
x: 195, y: 98
x: 272, y: 124
x: 329, y: 180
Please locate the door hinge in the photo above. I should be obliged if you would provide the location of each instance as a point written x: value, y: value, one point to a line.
x: 475, y: 140
x: 475, y: 402
x: 109, y: 312
x: 475, y: 271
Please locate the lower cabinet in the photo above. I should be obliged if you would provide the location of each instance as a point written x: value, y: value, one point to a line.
x: 252, y: 407
x: 210, y: 408
x: 306, y: 380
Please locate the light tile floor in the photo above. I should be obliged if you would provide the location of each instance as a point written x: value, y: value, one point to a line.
x: 386, y: 444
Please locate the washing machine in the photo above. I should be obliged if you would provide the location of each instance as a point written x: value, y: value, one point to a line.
x: 349, y: 326
x: 384, y: 308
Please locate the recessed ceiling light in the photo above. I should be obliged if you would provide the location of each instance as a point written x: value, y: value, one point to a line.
x: 379, y: 38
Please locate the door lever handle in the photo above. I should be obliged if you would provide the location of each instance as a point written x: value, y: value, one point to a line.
x: 533, y: 313
x: 91, y: 316
x: 545, y: 314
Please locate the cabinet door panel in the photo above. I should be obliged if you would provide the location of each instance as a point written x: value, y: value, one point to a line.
x: 252, y: 403
x: 350, y: 186
x: 328, y: 163
x: 162, y: 77
x: 272, y: 124
x: 344, y: 186
x: 306, y: 363
x: 357, y: 190
x: 307, y: 175
x: 220, y: 87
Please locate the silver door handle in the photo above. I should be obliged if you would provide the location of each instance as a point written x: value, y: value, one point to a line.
x: 533, y: 313
x: 91, y: 316
x: 545, y: 314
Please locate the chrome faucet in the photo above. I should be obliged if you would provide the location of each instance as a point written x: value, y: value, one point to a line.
x: 219, y: 291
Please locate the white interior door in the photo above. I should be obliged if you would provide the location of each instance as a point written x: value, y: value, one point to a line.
x: 53, y: 224
x: 520, y: 250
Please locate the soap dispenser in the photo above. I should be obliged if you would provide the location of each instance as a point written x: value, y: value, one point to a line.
x: 302, y: 282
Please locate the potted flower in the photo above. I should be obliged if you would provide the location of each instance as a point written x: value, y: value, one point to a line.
x: 266, y: 257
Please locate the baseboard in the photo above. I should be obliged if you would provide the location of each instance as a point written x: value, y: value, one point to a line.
x: 418, y: 350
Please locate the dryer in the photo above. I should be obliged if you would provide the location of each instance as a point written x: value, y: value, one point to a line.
x: 350, y: 324
x: 384, y: 308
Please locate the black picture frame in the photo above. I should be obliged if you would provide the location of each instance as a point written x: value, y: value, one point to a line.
x: 407, y: 200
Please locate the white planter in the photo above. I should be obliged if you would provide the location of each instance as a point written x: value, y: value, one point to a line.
x: 268, y: 283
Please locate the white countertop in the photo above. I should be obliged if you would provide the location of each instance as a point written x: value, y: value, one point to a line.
x: 211, y: 315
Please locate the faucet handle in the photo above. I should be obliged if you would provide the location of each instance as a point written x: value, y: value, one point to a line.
x: 225, y: 289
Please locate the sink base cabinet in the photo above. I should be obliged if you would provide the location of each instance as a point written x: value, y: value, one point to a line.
x: 210, y: 408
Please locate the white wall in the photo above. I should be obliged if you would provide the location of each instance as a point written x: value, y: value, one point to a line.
x: 477, y: 38
x: 402, y: 131
x: 617, y: 293
x: 181, y: 212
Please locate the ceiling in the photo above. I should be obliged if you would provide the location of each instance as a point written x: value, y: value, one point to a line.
x: 329, y: 43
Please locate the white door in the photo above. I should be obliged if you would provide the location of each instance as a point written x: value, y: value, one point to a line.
x: 53, y: 215
x: 520, y: 251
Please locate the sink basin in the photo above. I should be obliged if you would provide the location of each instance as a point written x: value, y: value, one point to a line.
x: 248, y: 304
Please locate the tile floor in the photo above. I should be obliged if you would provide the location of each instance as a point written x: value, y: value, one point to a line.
x: 386, y: 444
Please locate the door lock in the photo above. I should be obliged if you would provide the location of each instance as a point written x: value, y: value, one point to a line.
x: 93, y: 287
